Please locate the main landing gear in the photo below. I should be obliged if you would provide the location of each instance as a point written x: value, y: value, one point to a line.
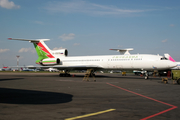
x: 89, y: 73
x: 65, y: 74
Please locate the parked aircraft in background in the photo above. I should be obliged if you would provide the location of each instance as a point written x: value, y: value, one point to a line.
x: 60, y: 60
x: 5, y: 68
x: 26, y: 68
x: 51, y: 70
x: 115, y: 71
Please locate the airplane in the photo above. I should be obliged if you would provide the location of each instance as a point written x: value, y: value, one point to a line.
x: 171, y: 59
x: 51, y: 70
x: 5, y: 68
x: 25, y: 68
x: 60, y: 60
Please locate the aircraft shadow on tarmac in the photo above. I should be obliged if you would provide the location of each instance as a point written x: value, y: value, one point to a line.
x: 120, y: 77
x: 11, y: 79
x: 17, y: 96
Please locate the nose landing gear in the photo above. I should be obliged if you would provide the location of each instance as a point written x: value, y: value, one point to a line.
x: 146, y: 75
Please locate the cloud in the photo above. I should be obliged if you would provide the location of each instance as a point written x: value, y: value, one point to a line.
x: 81, y: 6
x: 66, y: 37
x: 8, y: 4
x: 39, y: 22
x: 163, y: 41
x: 27, y: 50
x: 120, y: 46
x: 76, y: 44
x: 171, y: 25
x: 3, y: 50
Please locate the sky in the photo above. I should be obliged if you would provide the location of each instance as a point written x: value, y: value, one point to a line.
x: 89, y: 27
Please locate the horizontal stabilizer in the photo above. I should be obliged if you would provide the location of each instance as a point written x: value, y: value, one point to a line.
x: 30, y: 40
x: 123, y: 51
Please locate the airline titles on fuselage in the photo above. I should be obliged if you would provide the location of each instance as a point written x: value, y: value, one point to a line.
x: 114, y: 58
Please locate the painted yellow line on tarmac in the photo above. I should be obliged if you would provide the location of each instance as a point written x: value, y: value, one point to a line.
x: 73, y: 118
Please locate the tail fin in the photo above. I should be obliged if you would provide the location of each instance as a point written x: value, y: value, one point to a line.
x: 169, y: 57
x: 42, y: 49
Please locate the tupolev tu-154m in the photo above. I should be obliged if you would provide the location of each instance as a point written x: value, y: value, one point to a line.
x: 60, y: 60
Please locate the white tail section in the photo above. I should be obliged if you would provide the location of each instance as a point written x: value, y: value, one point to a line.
x: 169, y: 57
x: 45, y: 55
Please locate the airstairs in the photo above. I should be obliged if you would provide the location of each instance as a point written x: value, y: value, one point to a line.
x: 89, y: 72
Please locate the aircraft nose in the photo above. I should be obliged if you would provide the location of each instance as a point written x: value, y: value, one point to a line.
x: 172, y: 64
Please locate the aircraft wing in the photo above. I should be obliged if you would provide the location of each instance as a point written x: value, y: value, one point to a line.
x: 61, y: 67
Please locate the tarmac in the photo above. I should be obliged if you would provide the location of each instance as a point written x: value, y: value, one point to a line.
x: 46, y: 96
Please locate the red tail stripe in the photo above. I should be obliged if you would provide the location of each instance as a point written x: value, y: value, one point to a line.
x: 45, y: 50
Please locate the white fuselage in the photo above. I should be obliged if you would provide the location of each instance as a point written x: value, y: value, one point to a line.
x: 136, y: 61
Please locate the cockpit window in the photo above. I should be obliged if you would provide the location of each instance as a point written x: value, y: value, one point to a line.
x: 164, y: 58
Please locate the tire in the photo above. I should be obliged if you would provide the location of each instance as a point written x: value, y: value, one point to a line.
x: 178, y: 81
x: 146, y: 77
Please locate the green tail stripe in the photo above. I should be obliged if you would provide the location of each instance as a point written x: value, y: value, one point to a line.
x: 48, y: 61
x: 41, y: 54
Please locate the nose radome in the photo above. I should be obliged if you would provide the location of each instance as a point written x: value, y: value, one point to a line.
x: 172, y: 64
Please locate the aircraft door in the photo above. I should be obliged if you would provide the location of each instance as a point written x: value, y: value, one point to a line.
x: 131, y: 63
x: 108, y: 63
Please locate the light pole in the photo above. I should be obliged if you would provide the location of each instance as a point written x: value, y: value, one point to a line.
x: 18, y: 61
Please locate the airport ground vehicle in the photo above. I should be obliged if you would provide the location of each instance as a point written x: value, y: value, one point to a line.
x: 176, y: 75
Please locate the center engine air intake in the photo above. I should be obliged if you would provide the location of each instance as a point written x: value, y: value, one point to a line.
x: 59, y: 53
x: 50, y: 61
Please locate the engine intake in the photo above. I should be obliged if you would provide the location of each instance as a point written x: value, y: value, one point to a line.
x: 59, y: 53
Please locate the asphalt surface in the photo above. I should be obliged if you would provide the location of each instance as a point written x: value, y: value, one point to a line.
x: 46, y: 96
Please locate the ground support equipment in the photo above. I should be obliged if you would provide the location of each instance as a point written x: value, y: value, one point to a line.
x: 89, y: 72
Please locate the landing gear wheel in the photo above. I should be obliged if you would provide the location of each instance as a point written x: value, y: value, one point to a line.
x: 178, y: 81
x: 60, y: 75
x: 64, y: 75
x: 146, y: 77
